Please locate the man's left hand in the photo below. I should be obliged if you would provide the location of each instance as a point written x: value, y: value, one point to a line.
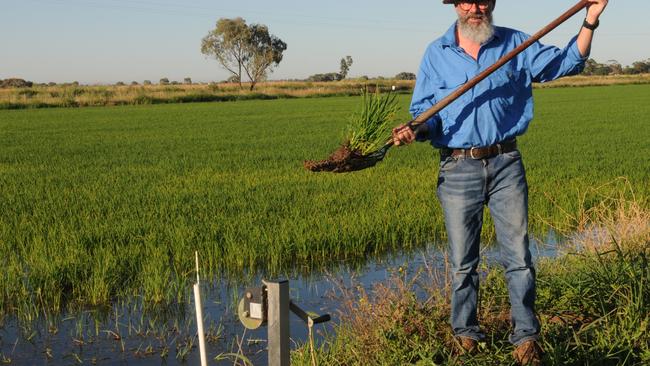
x: 594, y: 9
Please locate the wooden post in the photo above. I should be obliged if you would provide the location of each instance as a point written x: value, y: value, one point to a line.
x: 278, y: 322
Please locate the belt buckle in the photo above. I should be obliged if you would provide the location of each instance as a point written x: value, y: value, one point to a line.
x: 471, y: 152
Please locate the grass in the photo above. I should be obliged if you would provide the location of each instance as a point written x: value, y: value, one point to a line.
x: 101, y: 95
x: 594, y: 306
x: 98, y: 204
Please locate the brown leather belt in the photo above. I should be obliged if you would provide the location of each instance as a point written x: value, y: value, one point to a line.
x: 481, y: 152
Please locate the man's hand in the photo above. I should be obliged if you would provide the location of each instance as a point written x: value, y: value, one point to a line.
x: 403, y: 135
x: 594, y: 9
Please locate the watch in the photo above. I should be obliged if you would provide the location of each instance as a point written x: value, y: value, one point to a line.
x: 590, y: 26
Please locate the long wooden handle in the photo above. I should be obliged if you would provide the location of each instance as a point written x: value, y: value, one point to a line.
x: 502, y: 61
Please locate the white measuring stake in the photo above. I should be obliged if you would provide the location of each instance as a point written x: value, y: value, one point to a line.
x: 199, y: 314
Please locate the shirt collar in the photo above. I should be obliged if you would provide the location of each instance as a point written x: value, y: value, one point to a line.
x: 449, y: 38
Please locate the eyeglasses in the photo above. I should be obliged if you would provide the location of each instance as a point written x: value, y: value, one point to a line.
x: 467, y: 5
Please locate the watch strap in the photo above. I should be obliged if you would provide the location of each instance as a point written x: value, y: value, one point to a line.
x: 590, y: 26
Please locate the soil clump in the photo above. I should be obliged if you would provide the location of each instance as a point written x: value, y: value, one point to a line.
x: 342, y: 160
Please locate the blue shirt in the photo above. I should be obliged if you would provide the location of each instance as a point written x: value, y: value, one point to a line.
x: 501, y: 106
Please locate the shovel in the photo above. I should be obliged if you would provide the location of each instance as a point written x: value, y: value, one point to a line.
x: 354, y: 162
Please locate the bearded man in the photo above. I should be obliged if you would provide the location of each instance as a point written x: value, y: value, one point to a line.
x: 479, y: 161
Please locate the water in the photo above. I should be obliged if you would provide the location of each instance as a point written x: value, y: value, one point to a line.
x: 128, y: 335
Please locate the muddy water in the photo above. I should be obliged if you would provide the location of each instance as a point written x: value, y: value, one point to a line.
x: 128, y: 335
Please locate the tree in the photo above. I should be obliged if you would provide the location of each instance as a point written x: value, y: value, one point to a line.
x: 346, y: 62
x: 641, y: 67
x: 615, y: 67
x: 330, y: 76
x: 164, y: 81
x: 592, y: 67
x: 240, y: 48
x: 405, y: 76
x: 187, y: 81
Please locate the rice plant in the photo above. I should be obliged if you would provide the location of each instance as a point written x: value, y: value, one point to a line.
x: 370, y: 128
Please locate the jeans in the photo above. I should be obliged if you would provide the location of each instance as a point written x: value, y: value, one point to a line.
x: 464, y: 186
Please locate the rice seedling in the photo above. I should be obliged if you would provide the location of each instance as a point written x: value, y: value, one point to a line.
x: 368, y: 131
x: 370, y: 128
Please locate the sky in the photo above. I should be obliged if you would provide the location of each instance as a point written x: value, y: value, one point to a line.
x: 106, y: 41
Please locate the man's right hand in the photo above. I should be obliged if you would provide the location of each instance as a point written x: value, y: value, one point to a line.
x: 403, y: 135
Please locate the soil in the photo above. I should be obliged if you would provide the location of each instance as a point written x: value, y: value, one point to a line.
x: 342, y: 160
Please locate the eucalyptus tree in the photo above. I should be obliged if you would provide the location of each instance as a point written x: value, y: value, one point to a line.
x: 242, y: 48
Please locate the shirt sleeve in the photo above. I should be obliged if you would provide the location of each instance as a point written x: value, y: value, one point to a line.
x: 423, y: 96
x: 548, y: 63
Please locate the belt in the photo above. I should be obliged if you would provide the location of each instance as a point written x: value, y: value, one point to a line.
x: 481, y: 152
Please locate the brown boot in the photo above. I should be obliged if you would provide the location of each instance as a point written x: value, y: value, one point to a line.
x: 465, y: 345
x: 528, y: 353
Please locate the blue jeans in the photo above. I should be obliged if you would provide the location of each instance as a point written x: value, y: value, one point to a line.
x: 464, y: 186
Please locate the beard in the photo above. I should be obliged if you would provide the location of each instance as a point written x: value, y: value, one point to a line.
x: 479, y: 33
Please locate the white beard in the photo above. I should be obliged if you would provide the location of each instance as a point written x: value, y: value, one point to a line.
x: 476, y: 33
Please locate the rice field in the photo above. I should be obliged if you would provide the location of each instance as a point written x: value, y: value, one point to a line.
x: 99, y: 204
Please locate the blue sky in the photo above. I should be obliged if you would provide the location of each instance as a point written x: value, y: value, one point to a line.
x: 105, y: 41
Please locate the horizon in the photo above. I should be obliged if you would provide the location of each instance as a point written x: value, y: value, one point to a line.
x: 102, y: 43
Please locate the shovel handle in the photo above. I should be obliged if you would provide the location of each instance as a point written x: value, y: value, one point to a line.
x: 417, y: 125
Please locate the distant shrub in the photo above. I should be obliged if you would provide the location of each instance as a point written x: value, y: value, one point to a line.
x: 405, y: 76
x: 187, y: 81
x: 147, y: 82
x: 233, y: 79
x: 175, y: 82
x: 120, y: 83
x: 134, y: 83
x: 75, y: 83
x: 164, y: 81
x: 51, y: 83
x: 15, y: 83
x: 214, y: 87
x: 330, y: 76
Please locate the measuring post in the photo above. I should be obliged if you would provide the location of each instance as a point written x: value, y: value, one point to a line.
x: 278, y: 322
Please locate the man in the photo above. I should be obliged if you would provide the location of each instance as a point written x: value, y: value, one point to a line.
x: 480, y: 164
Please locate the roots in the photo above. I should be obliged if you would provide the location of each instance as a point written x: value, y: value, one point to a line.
x: 342, y: 160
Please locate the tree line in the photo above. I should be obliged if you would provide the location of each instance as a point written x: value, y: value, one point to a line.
x: 613, y: 67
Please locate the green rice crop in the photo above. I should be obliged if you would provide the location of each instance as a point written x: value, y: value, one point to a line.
x: 370, y: 128
x: 111, y: 202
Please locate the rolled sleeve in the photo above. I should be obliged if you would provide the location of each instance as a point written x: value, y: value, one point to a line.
x: 548, y: 63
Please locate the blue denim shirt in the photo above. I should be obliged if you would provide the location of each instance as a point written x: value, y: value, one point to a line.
x: 499, y: 107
